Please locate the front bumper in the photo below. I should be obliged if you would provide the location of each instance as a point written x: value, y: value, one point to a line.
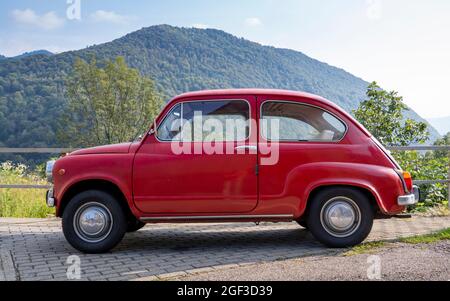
x: 50, y: 198
x: 410, y: 199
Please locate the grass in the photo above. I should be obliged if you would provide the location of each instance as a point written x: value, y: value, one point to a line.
x: 365, y: 248
x: 370, y: 247
x: 22, y: 202
x: 428, y: 239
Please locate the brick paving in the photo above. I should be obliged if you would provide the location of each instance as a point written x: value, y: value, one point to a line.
x: 35, y: 249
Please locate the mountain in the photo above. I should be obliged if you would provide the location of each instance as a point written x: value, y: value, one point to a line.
x: 179, y: 59
x: 2, y: 57
x: 31, y: 53
x: 36, y: 52
x: 441, y: 124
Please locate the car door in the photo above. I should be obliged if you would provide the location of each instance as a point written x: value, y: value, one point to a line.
x: 299, y: 134
x: 192, y: 166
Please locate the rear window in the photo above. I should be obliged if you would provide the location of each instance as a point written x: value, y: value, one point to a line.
x: 289, y: 121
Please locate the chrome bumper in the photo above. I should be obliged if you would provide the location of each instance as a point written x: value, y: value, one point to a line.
x: 50, y: 198
x: 410, y: 199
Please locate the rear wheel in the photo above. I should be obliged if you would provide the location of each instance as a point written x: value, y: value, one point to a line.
x: 340, y: 217
x: 94, y: 222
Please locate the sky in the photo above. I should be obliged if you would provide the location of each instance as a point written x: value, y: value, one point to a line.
x: 404, y: 45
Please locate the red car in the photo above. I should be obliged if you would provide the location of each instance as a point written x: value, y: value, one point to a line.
x: 233, y: 156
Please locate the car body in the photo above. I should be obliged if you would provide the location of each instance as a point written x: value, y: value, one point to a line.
x: 290, y: 153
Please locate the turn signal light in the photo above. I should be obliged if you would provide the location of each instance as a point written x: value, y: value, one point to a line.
x: 408, y: 181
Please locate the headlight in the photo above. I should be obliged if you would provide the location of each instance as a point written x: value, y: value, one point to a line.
x: 49, y: 170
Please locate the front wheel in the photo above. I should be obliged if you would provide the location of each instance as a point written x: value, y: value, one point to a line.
x: 340, y: 217
x: 134, y: 225
x: 94, y: 222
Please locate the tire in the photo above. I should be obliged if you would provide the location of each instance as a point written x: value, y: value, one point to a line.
x: 340, y: 217
x: 97, y: 236
x: 134, y: 225
x: 303, y: 223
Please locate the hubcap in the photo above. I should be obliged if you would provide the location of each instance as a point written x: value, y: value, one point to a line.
x: 93, y: 222
x: 340, y: 217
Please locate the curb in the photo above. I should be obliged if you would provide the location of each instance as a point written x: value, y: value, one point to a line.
x: 7, y: 269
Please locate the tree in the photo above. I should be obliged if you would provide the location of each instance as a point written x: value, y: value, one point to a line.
x: 107, y: 105
x: 382, y: 115
x: 443, y: 141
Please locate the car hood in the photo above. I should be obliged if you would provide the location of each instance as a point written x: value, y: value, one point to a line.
x: 121, y: 148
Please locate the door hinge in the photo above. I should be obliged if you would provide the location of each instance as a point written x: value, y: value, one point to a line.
x: 257, y: 169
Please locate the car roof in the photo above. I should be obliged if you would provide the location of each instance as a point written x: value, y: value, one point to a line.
x: 255, y: 92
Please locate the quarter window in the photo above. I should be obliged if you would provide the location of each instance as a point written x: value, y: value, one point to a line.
x: 286, y: 121
x: 207, y: 121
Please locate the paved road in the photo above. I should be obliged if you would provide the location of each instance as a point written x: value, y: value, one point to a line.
x: 397, y: 262
x: 36, y: 249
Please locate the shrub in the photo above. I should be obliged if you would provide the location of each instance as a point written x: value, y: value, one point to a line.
x: 22, y: 202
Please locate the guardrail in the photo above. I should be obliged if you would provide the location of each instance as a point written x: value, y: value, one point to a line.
x: 32, y: 150
x: 428, y: 148
x: 4, y: 150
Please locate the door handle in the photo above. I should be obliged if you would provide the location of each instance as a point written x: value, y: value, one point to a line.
x: 247, y: 147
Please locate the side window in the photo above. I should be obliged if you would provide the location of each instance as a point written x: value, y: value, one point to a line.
x: 170, y: 127
x: 207, y: 121
x: 286, y: 121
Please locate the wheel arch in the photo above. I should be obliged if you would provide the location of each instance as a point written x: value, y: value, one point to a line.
x: 95, y: 184
x: 371, y: 196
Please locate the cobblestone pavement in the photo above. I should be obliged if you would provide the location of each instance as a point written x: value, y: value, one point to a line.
x: 34, y: 249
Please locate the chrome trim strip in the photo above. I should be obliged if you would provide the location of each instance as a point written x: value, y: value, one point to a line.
x: 229, y: 217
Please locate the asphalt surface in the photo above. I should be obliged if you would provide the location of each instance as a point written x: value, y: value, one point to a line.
x: 397, y: 261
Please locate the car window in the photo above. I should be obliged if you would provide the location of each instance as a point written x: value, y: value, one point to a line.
x: 288, y: 121
x: 166, y: 130
x: 207, y: 121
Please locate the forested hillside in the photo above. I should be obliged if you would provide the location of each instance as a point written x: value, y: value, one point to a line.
x: 32, y: 88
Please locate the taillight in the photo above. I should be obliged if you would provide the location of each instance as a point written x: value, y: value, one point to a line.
x: 408, y: 180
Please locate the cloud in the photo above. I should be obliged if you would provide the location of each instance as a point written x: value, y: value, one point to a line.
x: 253, y: 22
x: 110, y: 17
x: 200, y: 26
x: 374, y: 9
x: 46, y: 21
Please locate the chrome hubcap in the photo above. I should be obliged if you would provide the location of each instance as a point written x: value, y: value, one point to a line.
x: 93, y: 222
x: 340, y: 217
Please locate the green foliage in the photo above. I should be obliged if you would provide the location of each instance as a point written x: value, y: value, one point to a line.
x: 33, y: 89
x: 107, y: 105
x: 426, y: 166
x: 22, y: 202
x: 442, y: 141
x: 382, y: 115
